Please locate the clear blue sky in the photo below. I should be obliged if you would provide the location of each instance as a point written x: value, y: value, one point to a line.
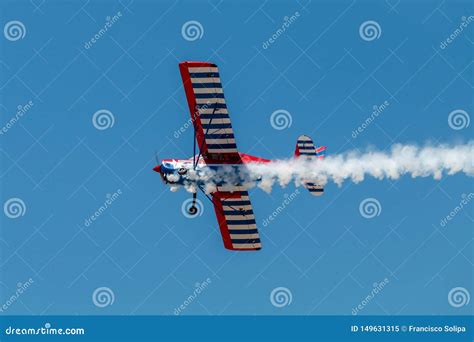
x: 320, y: 70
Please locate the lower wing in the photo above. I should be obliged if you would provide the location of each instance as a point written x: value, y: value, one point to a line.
x: 236, y: 219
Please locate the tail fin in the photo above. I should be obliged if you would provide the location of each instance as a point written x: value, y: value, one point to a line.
x: 305, y: 148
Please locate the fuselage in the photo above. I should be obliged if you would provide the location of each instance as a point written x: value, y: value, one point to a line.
x: 187, y: 171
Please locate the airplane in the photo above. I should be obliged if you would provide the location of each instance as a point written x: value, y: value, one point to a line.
x: 217, y: 150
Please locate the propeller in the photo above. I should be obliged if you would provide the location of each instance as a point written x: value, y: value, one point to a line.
x: 157, y: 168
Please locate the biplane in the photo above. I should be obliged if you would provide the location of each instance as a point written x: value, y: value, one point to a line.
x: 215, y: 139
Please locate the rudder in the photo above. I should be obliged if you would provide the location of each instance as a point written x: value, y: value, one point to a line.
x: 305, y: 149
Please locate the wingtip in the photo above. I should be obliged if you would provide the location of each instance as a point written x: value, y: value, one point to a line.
x: 198, y: 63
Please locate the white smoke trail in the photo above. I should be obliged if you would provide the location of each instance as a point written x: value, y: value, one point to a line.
x: 401, y: 160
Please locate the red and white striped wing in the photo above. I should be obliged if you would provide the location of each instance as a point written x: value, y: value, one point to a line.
x: 209, y: 114
x: 236, y: 219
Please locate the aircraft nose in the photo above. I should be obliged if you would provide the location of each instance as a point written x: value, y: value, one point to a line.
x: 157, y: 169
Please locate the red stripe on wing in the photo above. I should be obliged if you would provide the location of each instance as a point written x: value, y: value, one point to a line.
x: 188, y: 88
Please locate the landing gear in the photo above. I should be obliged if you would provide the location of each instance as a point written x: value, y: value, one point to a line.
x: 193, y: 210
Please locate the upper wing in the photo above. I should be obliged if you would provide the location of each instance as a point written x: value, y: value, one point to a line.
x: 236, y: 219
x: 209, y: 114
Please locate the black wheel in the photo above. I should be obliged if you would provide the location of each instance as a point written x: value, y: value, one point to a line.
x: 193, y: 210
x: 182, y: 171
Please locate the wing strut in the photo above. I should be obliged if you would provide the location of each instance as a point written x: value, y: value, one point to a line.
x: 205, y: 133
x: 210, y: 199
x: 194, y: 151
